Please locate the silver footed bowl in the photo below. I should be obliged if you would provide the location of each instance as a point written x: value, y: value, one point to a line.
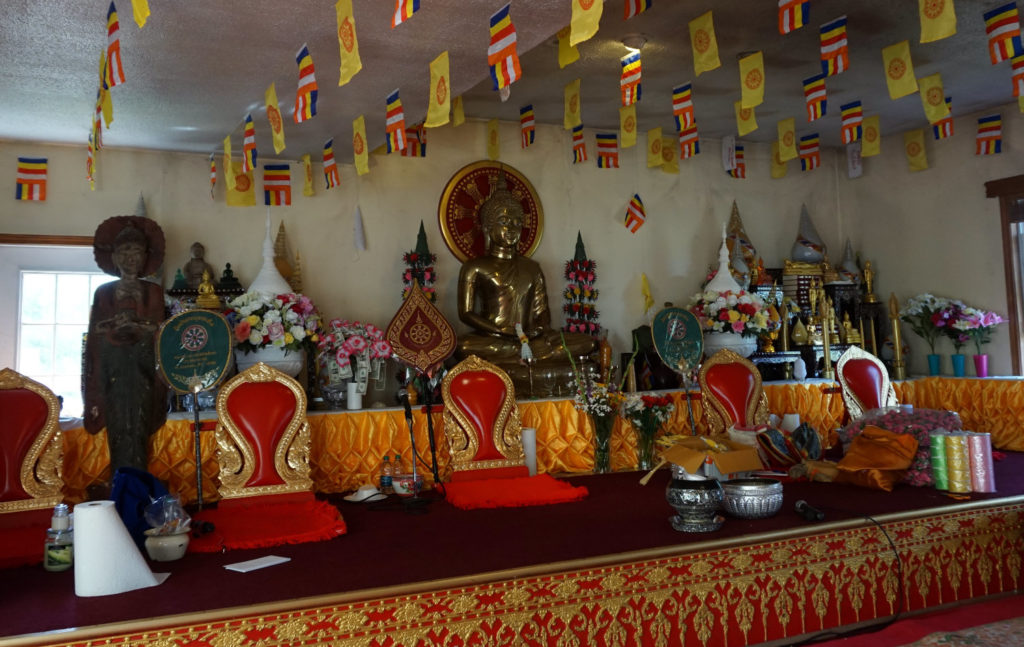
x: 696, y: 504
x: 752, y: 498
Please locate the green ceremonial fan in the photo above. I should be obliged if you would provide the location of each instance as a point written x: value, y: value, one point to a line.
x: 680, y: 344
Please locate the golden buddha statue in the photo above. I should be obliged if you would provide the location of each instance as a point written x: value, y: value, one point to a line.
x: 504, y: 288
x: 207, y: 297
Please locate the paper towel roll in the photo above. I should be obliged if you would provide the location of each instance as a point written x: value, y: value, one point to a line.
x: 353, y: 398
x: 530, y: 449
x: 107, y: 561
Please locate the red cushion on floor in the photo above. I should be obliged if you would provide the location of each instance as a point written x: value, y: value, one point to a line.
x: 542, y: 489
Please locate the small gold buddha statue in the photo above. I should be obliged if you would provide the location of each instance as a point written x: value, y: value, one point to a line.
x: 869, y: 284
x: 850, y: 334
x: 207, y: 295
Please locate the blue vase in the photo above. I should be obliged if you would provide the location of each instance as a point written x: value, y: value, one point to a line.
x: 934, y: 364
x: 958, y: 365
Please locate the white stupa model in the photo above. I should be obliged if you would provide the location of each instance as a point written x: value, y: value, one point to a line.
x: 723, y: 280
x: 269, y: 281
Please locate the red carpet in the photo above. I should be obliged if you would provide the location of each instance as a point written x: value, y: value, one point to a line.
x: 542, y: 489
x: 259, y: 522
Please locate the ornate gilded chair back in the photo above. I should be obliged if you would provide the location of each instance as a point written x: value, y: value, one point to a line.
x: 481, y: 421
x: 262, y: 434
x: 864, y: 381
x: 31, y: 449
x: 731, y: 392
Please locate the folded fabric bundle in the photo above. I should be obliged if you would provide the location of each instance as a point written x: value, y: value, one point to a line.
x: 259, y: 522
x: 542, y: 489
x: 877, y: 459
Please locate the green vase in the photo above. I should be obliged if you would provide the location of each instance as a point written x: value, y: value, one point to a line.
x: 645, y: 447
x: 603, y: 426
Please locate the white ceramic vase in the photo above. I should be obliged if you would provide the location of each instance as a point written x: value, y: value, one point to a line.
x: 289, y: 363
x: 742, y: 346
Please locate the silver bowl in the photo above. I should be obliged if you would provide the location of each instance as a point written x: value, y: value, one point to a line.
x: 752, y: 498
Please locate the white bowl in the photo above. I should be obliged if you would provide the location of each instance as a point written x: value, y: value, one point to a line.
x: 166, y: 548
x: 404, y: 486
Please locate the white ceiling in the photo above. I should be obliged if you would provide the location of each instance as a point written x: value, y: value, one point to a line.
x: 199, y: 66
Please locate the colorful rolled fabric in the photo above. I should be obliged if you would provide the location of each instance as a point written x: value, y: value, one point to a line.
x: 980, y: 449
x: 959, y: 463
x: 938, y: 459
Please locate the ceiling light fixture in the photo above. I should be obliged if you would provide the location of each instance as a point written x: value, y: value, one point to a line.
x: 634, y: 42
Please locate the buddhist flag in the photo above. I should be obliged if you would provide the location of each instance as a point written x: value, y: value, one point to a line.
x: 307, y: 171
x: 501, y: 53
x: 635, y: 8
x: 787, y: 139
x: 140, y: 11
x: 853, y: 118
x: 404, y: 9
x: 629, y: 79
x: 1018, y: 75
x: 274, y: 117
x: 1020, y: 103
x: 913, y: 146
x: 331, y: 174
x: 746, y: 120
x: 103, y: 101
x: 627, y: 126
x: 229, y: 176
x: 740, y: 170
x: 810, y: 152
x: 241, y: 188
x: 933, y: 98
x: 1003, y: 28
x: 359, y: 151
x: 567, y: 53
x: 90, y: 164
x: 394, y: 122
x: 635, y: 216
x: 415, y: 142
x: 704, y: 44
x: 277, y: 185
x: 213, y: 174
x: 779, y: 168
x: 653, y: 147
x: 440, y: 104
x: 871, y: 139
x: 816, y: 97
x: 115, y: 70
x: 249, y: 145
x: 990, y: 135
x: 586, y: 16
x: 305, y: 96
x: 493, y: 140
x: 682, y: 106
x: 572, y: 116
x: 527, y: 125
x: 689, y: 142
x: 835, y: 57
x: 899, y: 70
x: 793, y: 14
x: 645, y: 287
x: 458, y: 112
x: 348, y: 44
x: 669, y: 160
x: 579, y: 146
x: 938, y: 19
x: 752, y: 80
x: 607, y: 150
x: 30, y: 183
x: 943, y: 128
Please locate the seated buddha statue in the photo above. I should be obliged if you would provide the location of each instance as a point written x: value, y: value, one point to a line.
x: 503, y: 288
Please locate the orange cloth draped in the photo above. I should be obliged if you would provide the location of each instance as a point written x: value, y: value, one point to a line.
x: 990, y: 405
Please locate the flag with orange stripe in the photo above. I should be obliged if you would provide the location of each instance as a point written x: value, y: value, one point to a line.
x: 30, y: 183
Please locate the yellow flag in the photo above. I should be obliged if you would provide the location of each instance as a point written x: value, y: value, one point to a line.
x: 933, y: 98
x: 106, y: 103
x: 458, y: 113
x: 241, y: 190
x: 899, y: 70
x: 229, y: 177
x: 752, y: 80
x: 440, y: 92
x: 307, y: 167
x: 586, y: 14
x: 746, y: 121
x: 779, y: 167
x: 566, y: 53
x: 140, y: 10
x: 787, y: 139
x: 627, y: 126
x: 871, y: 137
x: 669, y: 159
x: 645, y: 289
x: 705, y: 46
x: 653, y: 147
x: 572, y: 116
x: 347, y: 42
x: 1020, y: 102
x: 938, y: 19
x: 493, y: 140
x: 359, y: 147
x: 274, y: 117
x: 913, y: 145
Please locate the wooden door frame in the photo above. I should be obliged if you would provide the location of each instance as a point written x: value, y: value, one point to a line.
x: 1008, y: 190
x: 45, y: 239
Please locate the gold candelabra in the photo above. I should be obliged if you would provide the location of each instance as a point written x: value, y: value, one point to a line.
x: 899, y: 367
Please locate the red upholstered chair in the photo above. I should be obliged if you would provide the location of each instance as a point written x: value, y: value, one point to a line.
x: 30, y: 445
x: 731, y: 393
x: 481, y: 422
x: 864, y: 381
x: 262, y: 435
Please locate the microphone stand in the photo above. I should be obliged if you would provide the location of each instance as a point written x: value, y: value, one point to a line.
x: 429, y: 400
x: 414, y: 505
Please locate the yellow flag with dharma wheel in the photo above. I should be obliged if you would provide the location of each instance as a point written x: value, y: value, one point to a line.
x: 704, y: 44
x: 938, y: 19
x: 440, y: 95
x: 933, y: 98
x: 746, y: 121
x: 899, y: 70
x: 307, y: 172
x: 654, y: 147
x: 787, y: 139
x: 493, y: 140
x: 586, y: 16
x: 567, y: 53
x: 871, y: 137
x: 229, y: 177
x: 347, y: 42
x: 669, y: 159
x: 359, y: 149
x: 779, y: 167
x: 242, y: 192
x: 274, y: 117
x: 458, y: 112
x: 913, y: 145
x: 573, y: 115
x: 627, y: 126
x: 752, y: 80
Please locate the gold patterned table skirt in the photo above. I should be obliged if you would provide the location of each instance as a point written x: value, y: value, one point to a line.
x: 346, y: 447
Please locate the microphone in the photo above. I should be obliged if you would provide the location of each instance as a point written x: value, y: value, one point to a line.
x: 809, y: 512
x: 403, y: 395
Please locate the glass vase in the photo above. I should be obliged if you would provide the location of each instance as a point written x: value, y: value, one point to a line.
x: 603, y: 426
x: 645, y: 447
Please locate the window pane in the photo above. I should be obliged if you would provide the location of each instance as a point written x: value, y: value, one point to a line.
x: 35, y: 351
x: 73, y: 298
x: 96, y: 281
x: 37, y: 297
x: 68, y: 387
x: 68, y: 349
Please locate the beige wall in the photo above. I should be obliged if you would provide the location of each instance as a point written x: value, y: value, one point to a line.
x: 685, y: 214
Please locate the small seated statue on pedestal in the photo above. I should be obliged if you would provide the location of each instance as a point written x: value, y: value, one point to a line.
x: 207, y: 297
x: 196, y: 266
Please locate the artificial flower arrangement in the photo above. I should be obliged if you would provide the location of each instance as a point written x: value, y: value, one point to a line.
x: 581, y: 297
x: 740, y: 312
x: 952, y: 322
x: 346, y: 342
x: 419, y: 267
x: 289, y: 321
x: 647, y: 413
x: 976, y: 325
x: 924, y: 313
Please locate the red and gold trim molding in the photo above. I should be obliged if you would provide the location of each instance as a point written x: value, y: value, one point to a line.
x: 749, y: 590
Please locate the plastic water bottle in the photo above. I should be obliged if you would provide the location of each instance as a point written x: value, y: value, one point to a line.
x: 385, y: 477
